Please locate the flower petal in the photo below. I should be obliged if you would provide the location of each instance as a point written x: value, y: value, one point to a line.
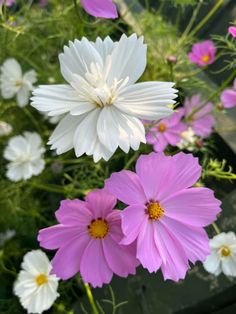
x: 105, y: 9
x: 126, y: 186
x: 212, y: 264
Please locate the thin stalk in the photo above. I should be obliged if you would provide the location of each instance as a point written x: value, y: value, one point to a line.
x: 90, y: 298
x: 216, y: 228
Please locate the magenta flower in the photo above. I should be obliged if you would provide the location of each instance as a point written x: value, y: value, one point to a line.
x: 165, y: 215
x: 228, y: 97
x: 203, y: 53
x: 87, y: 238
x: 200, y: 119
x: 232, y: 31
x: 167, y: 131
x: 9, y: 3
x: 100, y: 8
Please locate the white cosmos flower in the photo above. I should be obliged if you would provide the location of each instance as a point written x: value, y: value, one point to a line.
x: 5, y: 128
x: 103, y: 105
x: 35, y: 287
x: 188, y: 139
x: 25, y: 153
x: 223, y: 255
x: 14, y: 82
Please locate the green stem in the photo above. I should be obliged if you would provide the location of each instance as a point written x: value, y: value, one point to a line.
x: 216, y: 228
x: 47, y: 187
x: 90, y: 298
x: 207, y: 17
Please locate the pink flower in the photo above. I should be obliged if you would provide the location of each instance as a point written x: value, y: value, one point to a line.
x: 87, y: 238
x: 165, y: 215
x: 100, y: 8
x: 232, y: 31
x: 167, y: 131
x: 203, y: 53
x: 228, y: 97
x: 9, y: 3
x: 200, y: 119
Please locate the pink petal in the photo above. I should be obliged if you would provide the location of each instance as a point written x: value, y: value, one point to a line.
x: 100, y: 203
x: 100, y: 8
x: 121, y: 259
x: 73, y: 212
x: 126, y: 186
x: 176, y: 263
x: 147, y: 251
x: 194, y: 240
x: 94, y: 268
x: 228, y: 98
x: 132, y: 218
x: 195, y: 206
x: 232, y: 31
x: 204, y: 126
x: 66, y: 262
x: 57, y: 236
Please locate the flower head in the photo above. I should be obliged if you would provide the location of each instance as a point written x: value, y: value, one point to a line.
x: 5, y: 128
x: 14, y: 82
x: 165, y: 214
x: 199, y: 116
x: 228, y: 97
x: 232, y: 31
x: 167, y: 131
x: 223, y: 255
x: 25, y: 153
x: 203, y: 53
x: 187, y: 140
x: 104, y: 9
x: 87, y: 238
x: 35, y: 286
x: 103, y: 105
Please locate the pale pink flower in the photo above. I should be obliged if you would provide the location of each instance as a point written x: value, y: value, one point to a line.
x: 228, y: 97
x: 165, y: 214
x: 87, y: 238
x: 100, y: 8
x: 232, y: 31
x: 203, y: 53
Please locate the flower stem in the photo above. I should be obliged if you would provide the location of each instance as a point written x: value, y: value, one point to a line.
x: 207, y: 17
x: 90, y: 298
x: 216, y: 228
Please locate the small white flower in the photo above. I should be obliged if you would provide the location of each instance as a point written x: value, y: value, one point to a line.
x: 5, y: 128
x: 188, y: 139
x: 103, y: 105
x: 14, y: 82
x: 223, y: 255
x: 35, y: 287
x: 25, y: 153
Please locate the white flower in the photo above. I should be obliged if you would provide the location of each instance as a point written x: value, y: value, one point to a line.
x: 223, y: 255
x: 14, y: 82
x: 5, y: 128
x: 104, y: 106
x: 35, y: 287
x: 188, y: 139
x: 25, y: 153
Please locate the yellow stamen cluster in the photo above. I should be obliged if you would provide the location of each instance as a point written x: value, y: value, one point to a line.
x: 225, y: 251
x: 98, y: 228
x: 161, y: 127
x: 205, y: 58
x: 41, y: 279
x: 155, y: 211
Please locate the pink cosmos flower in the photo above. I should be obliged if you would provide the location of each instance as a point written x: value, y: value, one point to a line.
x: 165, y: 215
x: 232, y: 31
x: 203, y: 53
x: 201, y: 120
x: 100, y: 8
x: 228, y: 97
x: 167, y: 131
x: 9, y: 3
x: 87, y: 238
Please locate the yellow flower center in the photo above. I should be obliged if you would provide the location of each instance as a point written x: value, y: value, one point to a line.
x: 155, y: 211
x: 98, y: 228
x: 205, y: 58
x: 41, y: 279
x: 18, y: 83
x: 225, y: 251
x: 161, y: 127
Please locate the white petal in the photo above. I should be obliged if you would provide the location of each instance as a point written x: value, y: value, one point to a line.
x: 23, y: 96
x: 212, y: 263
x: 16, y: 173
x: 128, y: 59
x: 58, y: 99
x: 147, y: 100
x: 15, y: 148
x: 77, y: 58
x: 30, y: 77
x: 36, y: 262
x: 62, y: 137
x: 85, y: 136
x: 115, y: 129
x: 104, y: 47
x: 229, y: 266
x: 100, y: 151
x: 12, y: 69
